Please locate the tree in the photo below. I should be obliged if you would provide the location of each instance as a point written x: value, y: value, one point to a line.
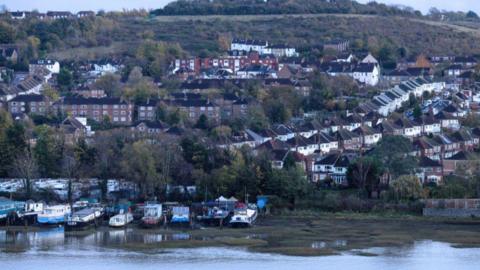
x: 139, y: 166
x: 392, y: 152
x: 48, y: 152
x: 50, y: 92
x: 472, y: 15
x: 364, y: 174
x: 288, y: 184
x: 110, y: 83
x: 7, y: 33
x: 202, y: 122
x: 65, y: 79
x: 25, y: 167
x: 417, y: 112
x: 406, y: 187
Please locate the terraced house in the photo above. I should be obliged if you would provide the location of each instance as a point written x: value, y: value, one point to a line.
x: 30, y: 104
x: 116, y: 110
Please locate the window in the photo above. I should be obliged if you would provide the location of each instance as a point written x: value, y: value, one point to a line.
x: 115, y: 106
x: 123, y: 119
x: 115, y: 119
x: 123, y: 112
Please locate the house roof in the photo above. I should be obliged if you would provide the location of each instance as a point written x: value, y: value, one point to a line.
x: 250, y: 42
x: 152, y: 124
x: 322, y: 138
x: 328, y: 159
x: 88, y: 101
x: 176, y: 131
x: 272, y: 145
x: 365, y: 131
x: 28, y: 98
x: 282, y: 129
x: 298, y: 141
x: 192, y: 103
x: 364, y: 68
x: 426, y: 162
x: 345, y: 135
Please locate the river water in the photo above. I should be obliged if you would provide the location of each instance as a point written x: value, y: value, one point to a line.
x: 53, y: 250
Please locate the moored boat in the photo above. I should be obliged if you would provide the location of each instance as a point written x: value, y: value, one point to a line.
x: 120, y: 220
x: 180, y: 215
x: 54, y: 215
x: 10, y: 209
x: 244, y: 215
x: 153, y: 215
x: 83, y: 219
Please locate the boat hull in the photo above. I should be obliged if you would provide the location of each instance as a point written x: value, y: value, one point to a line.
x: 50, y: 220
x: 151, y: 222
x: 79, y: 225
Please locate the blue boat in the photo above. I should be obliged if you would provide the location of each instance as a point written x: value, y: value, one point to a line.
x: 54, y: 215
x: 180, y: 214
x: 10, y: 208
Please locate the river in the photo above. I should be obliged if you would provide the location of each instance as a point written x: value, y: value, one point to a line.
x: 53, y: 250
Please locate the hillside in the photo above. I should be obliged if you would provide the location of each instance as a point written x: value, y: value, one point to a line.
x: 202, y: 34
x: 258, y: 7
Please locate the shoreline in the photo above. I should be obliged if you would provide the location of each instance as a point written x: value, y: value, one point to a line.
x: 301, y: 234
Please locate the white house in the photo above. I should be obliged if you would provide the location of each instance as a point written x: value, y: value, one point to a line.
x: 280, y: 51
x: 104, y: 68
x: 248, y: 45
x: 367, y: 73
x: 50, y: 65
x: 326, y: 143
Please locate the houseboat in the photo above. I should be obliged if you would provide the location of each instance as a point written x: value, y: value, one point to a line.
x: 244, y: 215
x: 121, y: 220
x: 83, y: 219
x: 54, y: 215
x: 153, y: 215
x: 9, y: 208
x: 215, y: 216
x: 32, y: 210
x: 180, y: 215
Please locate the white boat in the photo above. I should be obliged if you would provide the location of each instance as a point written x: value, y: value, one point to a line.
x: 120, y: 220
x: 52, y: 215
x: 244, y: 216
x: 153, y: 215
x: 83, y: 219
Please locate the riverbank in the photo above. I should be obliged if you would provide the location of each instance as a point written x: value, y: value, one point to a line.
x: 297, y: 234
x: 316, y: 234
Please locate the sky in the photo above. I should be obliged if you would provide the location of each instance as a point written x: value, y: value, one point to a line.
x: 76, y: 5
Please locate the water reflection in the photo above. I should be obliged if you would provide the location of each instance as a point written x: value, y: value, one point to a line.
x: 54, y: 238
x: 333, y: 244
x: 92, y: 251
x: 421, y: 255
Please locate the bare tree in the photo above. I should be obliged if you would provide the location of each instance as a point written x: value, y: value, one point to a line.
x: 70, y: 171
x: 25, y: 167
